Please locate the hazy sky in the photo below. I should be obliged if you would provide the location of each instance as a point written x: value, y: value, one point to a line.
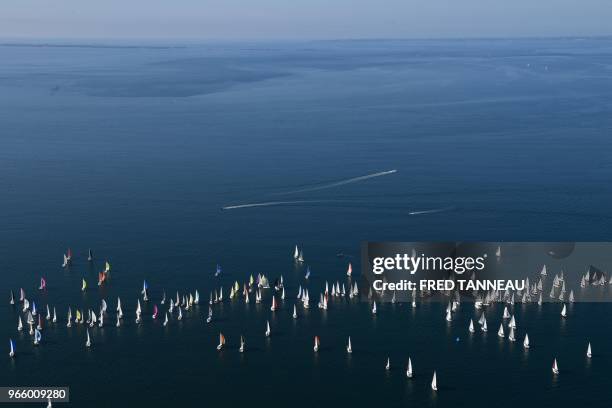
x: 308, y: 19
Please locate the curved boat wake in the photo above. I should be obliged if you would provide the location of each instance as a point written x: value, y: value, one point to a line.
x: 338, y: 183
x: 272, y: 203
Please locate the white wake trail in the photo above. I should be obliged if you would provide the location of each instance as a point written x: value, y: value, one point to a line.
x: 271, y: 203
x: 432, y: 211
x: 339, y: 183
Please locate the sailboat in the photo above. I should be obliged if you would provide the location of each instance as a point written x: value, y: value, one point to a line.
x: 471, y: 328
x: 138, y: 312
x: 388, y: 365
x: 218, y: 270
x: 180, y: 314
x: 273, y: 307
x: 155, y: 312
x: 526, y: 341
x: 349, y: 270
x: 119, y: 310
x: 511, y: 334
x: 268, y: 332
x: 409, y: 369
x: 296, y: 253
x: 43, y: 284
x: 12, y: 348
x: 144, y: 291
x: 221, y: 341
x: 89, y: 255
x: 589, y: 353
x: 434, y: 382
x: 166, y: 320
x: 500, y: 332
x: 54, y: 319
x: 484, y: 325
x: 12, y: 300
x: 294, y: 312
x: 498, y: 252
x: 242, y: 344
x: 374, y: 308
x: 555, y: 367
x: 349, y: 348
x: 88, y: 341
x: 300, y: 257
x: 210, y: 315
x: 118, y: 322
x: 37, y: 337
x: 316, y: 344
x: 19, y: 324
x: 564, y: 311
x: 83, y: 285
x: 543, y: 272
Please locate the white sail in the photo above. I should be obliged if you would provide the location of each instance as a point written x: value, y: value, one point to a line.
x: 409, y: 369
x: 349, y: 347
x: 555, y: 367
x: 471, y: 328
x: 296, y: 253
x: 589, y: 352
x: 88, y: 341
x: 526, y: 341
x: 500, y: 332
x: 388, y: 365
x: 294, y: 312
x: 268, y: 332
x: 434, y: 382
x: 564, y: 311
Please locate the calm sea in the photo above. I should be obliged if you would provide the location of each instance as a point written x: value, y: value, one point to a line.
x: 133, y: 151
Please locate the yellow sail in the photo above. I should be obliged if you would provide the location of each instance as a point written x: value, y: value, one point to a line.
x: 84, y: 285
x: 251, y: 280
x: 78, y: 315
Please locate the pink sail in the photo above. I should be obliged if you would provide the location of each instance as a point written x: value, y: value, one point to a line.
x: 43, y: 283
x: 155, y: 311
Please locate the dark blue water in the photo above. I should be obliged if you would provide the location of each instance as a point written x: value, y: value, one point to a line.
x: 133, y: 151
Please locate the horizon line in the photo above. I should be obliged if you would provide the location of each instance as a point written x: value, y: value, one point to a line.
x: 183, y: 41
